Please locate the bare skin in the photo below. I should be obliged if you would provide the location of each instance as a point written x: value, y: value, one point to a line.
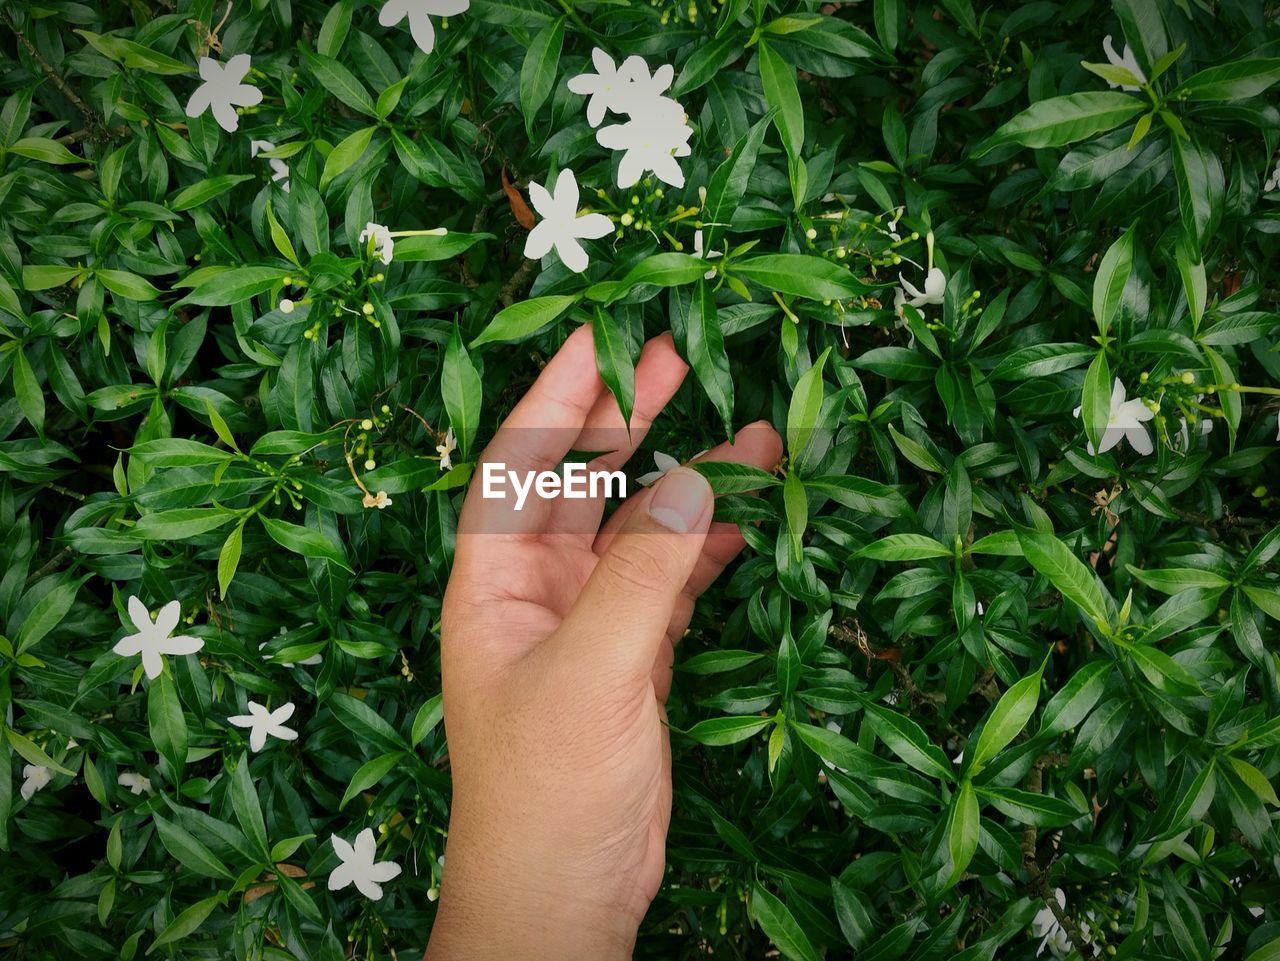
x: 557, y: 648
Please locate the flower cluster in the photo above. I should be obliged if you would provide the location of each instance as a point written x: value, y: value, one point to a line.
x: 656, y: 130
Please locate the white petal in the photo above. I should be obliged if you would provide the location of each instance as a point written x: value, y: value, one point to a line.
x: 665, y: 462
x: 572, y: 254
x: 668, y: 171
x: 540, y: 240
x: 1139, y: 439
x: 130, y: 645
x: 167, y: 619
x: 282, y: 732
x: 242, y: 720
x: 603, y: 62
x: 1117, y: 394
x: 542, y: 201
x: 424, y: 34
x: 152, y: 663
x: 630, y: 170
x: 567, y: 191
x: 210, y: 70
x: 392, y: 12
x: 182, y: 644
x: 139, y: 614
x: 592, y: 226
x: 237, y: 68
x: 1110, y: 437
x: 365, y: 846
x: 370, y: 890
x: 283, y: 713
x: 341, y: 876
x: 384, y: 871
x: 227, y: 118
x: 246, y: 95
x: 344, y: 850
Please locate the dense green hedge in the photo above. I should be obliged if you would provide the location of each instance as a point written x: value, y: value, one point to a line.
x: 973, y: 691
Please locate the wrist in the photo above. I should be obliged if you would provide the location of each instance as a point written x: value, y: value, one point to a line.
x: 497, y: 903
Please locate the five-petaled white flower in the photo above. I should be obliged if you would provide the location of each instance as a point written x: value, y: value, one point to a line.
x: 1124, y: 422
x: 279, y: 169
x: 378, y: 500
x: 619, y: 89
x: 1127, y: 62
x: 560, y: 226
x: 651, y: 139
x: 446, y: 448
x: 383, y: 245
x: 223, y: 91
x: 935, y: 290
x: 419, y: 13
x: 1045, y: 926
x: 698, y: 252
x: 34, y: 777
x: 358, y: 866
x: 262, y: 722
x: 135, y: 782
x: 152, y: 638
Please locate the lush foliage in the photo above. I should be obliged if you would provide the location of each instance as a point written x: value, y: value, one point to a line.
x: 975, y: 689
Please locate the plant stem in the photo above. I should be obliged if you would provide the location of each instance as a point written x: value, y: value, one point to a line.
x: 92, y: 121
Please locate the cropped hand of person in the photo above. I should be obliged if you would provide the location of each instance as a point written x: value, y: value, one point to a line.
x: 558, y: 637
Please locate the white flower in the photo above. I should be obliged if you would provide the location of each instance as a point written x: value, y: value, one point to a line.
x: 665, y: 463
x: 1045, y: 926
x: 379, y: 500
x: 622, y: 89
x: 34, y: 777
x: 383, y: 245
x: 1127, y: 62
x: 223, y: 91
x: 152, y: 639
x: 560, y: 226
x: 935, y: 290
x: 358, y: 866
x: 134, y: 782
x: 424, y: 34
x: 1273, y: 181
x: 1125, y: 422
x: 262, y: 722
x: 446, y: 449
x: 697, y: 252
x: 279, y: 169
x: 651, y: 139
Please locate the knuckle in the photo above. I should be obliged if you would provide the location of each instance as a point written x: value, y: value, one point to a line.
x: 642, y: 562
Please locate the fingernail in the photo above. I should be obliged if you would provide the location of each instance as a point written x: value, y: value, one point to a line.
x: 680, y: 499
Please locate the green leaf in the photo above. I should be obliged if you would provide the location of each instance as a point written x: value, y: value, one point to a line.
x: 1007, y: 719
x: 1201, y: 189
x: 1164, y: 673
x: 1237, y: 80
x: 428, y: 716
x: 27, y: 389
x: 186, y: 923
x: 524, y: 319
x: 728, y: 477
x: 44, y: 276
x: 1232, y: 408
x: 705, y: 351
x: 781, y: 93
x: 718, y: 662
x: 178, y: 452
x: 720, y: 731
x: 1109, y: 282
x: 46, y: 614
x: 244, y: 801
x: 904, y: 547
x: 33, y: 753
x: 780, y: 926
x: 370, y: 773
x: 202, y: 191
x: 728, y: 184
x: 181, y: 523
x: 167, y: 723
x: 462, y: 391
x: 126, y: 284
x: 1095, y: 399
x: 340, y: 82
x: 1073, y: 702
x: 44, y: 150
x: 189, y: 852
x: 964, y: 828
x: 806, y: 407
x: 1058, y: 121
x: 435, y: 247
x: 538, y: 72
x: 862, y: 495
x: 907, y: 739
x: 800, y: 275
x: 344, y: 156
x: 304, y: 541
x: 235, y: 285
x: 1066, y: 572
x: 229, y: 558
x: 1028, y: 807
x: 614, y: 363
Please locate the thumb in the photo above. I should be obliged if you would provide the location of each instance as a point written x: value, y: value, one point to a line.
x: 622, y: 613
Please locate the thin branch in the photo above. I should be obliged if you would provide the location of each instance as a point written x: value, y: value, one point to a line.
x: 92, y: 121
x: 515, y: 287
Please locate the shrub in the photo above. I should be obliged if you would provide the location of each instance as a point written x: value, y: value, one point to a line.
x: 997, y: 673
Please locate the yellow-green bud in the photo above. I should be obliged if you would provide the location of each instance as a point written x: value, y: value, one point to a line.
x: 366, y: 424
x: 367, y: 308
x: 370, y: 464
x: 1188, y: 377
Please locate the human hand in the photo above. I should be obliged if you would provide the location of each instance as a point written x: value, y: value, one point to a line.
x: 558, y: 638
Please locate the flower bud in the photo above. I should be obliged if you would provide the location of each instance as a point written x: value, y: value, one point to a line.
x: 367, y: 309
x: 286, y: 305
